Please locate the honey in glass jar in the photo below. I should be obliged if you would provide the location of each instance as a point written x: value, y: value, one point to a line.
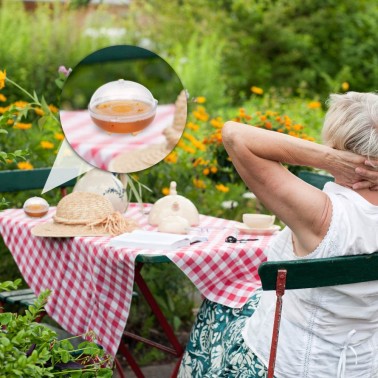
x: 36, y: 207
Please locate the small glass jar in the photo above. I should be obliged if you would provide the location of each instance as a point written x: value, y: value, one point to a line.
x: 122, y: 107
x: 36, y: 207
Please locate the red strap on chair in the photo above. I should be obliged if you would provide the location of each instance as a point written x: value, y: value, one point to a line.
x: 280, y: 291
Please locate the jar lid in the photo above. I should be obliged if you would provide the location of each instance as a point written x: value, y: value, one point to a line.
x: 122, y: 101
x: 36, y: 206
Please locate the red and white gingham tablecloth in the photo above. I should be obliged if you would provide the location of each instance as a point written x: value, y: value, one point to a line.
x: 98, y: 147
x: 92, y: 284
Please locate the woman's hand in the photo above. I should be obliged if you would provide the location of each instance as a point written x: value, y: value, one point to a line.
x: 369, y: 174
x: 353, y: 170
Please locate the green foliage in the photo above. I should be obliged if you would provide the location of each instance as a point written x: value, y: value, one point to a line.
x: 30, y: 349
x: 34, y: 44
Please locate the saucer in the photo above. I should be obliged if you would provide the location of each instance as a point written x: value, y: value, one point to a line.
x: 243, y: 229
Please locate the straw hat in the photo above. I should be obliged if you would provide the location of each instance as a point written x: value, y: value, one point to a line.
x: 84, y: 214
x: 138, y: 160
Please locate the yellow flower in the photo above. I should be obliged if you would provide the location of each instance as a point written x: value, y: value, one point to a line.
x: 46, y: 145
x: 199, y: 184
x: 206, y: 171
x: 171, y: 158
x: 3, y: 75
x: 257, y: 90
x: 345, y: 86
x: 165, y: 191
x: 22, y: 126
x: 201, y: 100
x: 214, y: 169
x: 59, y: 136
x: 222, y: 188
x: 4, y: 109
x: 314, y: 105
x: 24, y: 165
x: 2, y: 98
x: 10, y: 122
x: 53, y: 108
x: 39, y: 111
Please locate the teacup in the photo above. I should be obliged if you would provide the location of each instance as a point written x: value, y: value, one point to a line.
x: 258, y: 220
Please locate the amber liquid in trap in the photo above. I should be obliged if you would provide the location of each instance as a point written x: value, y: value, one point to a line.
x: 119, y: 108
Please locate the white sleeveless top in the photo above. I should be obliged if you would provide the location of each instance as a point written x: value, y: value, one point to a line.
x: 332, y: 331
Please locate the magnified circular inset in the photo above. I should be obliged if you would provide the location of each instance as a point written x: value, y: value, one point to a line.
x: 123, y: 109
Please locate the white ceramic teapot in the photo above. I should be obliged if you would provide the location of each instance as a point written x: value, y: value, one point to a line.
x: 106, y: 184
x: 173, y: 205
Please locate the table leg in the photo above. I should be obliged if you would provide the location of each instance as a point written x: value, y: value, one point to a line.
x: 177, y: 350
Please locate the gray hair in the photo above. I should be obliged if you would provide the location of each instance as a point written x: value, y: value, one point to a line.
x: 351, y: 123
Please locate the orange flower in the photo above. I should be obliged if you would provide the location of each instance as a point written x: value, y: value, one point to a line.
x: 263, y: 118
x: 59, y: 136
x: 46, y: 145
x: 53, y: 108
x: 24, y: 165
x: 201, y: 100
x: 192, y: 126
x: 314, y: 105
x: 3, y: 109
x: 199, y: 184
x: 206, y: 171
x: 20, y: 104
x: 257, y: 90
x: 222, y: 188
x: 22, y: 126
x: 214, y: 169
x: 268, y: 125
x: 3, y: 75
x: 165, y: 191
x: 171, y: 158
x: 2, y: 98
x: 217, y: 122
x: 39, y: 111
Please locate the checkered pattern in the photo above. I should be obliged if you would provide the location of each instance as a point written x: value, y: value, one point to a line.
x: 92, y: 284
x: 98, y: 147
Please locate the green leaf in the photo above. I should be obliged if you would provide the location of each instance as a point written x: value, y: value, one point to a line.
x: 105, y: 373
x: 2, y: 131
x: 42, y: 121
x: 5, y: 318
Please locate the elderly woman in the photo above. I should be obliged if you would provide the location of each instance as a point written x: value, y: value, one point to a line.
x: 325, y: 332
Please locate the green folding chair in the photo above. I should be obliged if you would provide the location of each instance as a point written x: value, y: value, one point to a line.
x: 312, y: 273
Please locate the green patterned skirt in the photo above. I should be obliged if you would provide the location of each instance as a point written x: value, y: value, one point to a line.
x: 216, y: 347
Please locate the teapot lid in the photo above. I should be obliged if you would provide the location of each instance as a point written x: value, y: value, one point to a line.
x: 173, y: 204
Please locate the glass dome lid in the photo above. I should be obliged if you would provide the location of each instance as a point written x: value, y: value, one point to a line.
x: 122, y: 103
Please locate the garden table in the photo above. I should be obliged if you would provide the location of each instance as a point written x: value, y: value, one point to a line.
x: 92, y: 283
x: 98, y: 147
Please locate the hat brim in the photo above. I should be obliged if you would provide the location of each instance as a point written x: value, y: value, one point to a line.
x: 58, y: 230
x: 138, y: 160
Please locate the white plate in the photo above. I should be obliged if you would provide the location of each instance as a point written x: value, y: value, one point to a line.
x: 243, y: 229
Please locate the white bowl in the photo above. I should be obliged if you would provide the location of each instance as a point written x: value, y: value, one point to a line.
x: 258, y: 220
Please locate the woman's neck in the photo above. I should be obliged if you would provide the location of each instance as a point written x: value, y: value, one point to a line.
x: 370, y: 195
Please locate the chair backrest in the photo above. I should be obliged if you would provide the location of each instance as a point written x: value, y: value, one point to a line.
x: 307, y: 273
x: 316, y: 179
x: 18, y: 180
